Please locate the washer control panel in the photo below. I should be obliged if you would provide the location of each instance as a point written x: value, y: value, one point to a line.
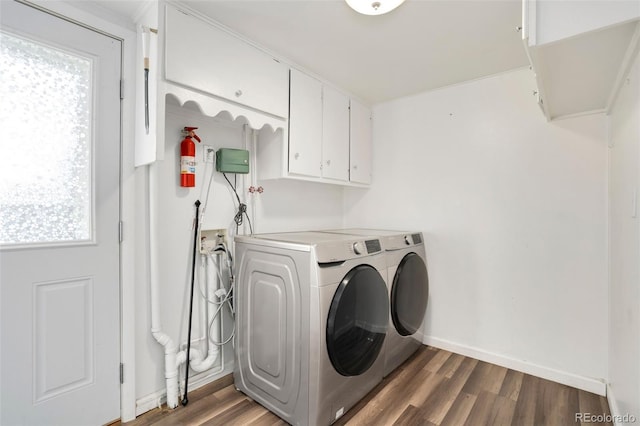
x: 345, y: 250
x: 373, y: 246
x: 369, y: 247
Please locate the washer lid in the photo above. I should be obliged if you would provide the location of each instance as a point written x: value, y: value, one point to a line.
x: 308, y: 237
x: 329, y: 247
x: 368, y: 231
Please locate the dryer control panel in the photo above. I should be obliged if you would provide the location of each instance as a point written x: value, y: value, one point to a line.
x: 402, y: 241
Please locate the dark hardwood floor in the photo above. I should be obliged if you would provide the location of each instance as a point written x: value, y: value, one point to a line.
x: 434, y: 387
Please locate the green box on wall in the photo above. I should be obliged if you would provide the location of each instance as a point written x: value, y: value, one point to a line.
x: 229, y: 160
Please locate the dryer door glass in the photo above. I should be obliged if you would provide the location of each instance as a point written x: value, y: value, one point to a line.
x: 409, y: 294
x: 357, y: 322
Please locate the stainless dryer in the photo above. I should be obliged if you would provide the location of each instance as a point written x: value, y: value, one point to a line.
x: 311, y: 322
x: 408, y: 290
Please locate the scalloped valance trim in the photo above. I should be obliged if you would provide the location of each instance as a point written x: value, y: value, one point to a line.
x: 215, y: 107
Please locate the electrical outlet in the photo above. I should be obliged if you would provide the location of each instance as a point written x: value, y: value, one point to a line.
x: 209, y: 153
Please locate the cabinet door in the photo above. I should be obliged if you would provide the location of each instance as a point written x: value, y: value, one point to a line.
x: 335, y: 135
x: 206, y: 58
x: 360, y: 146
x: 305, y: 125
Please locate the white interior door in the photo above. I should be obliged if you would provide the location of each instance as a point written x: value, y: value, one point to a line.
x: 59, y: 217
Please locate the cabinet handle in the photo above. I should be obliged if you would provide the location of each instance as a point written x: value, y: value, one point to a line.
x: 328, y: 162
x: 238, y: 93
x: 355, y: 167
x: 297, y: 155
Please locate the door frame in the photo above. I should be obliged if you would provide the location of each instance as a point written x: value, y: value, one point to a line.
x: 128, y: 37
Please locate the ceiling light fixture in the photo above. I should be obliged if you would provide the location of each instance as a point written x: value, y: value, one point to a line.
x: 374, y: 7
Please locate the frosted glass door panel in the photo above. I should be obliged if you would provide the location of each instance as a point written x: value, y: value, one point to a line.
x: 60, y: 304
x: 45, y: 143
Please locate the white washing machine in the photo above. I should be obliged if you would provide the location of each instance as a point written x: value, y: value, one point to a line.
x: 408, y: 291
x: 312, y: 312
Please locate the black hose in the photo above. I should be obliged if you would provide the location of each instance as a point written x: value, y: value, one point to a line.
x: 185, y: 400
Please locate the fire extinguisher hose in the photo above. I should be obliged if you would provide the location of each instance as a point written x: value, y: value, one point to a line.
x: 185, y: 400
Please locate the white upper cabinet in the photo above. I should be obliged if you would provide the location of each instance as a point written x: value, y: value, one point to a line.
x: 206, y: 58
x: 335, y: 135
x: 579, y: 52
x: 328, y: 139
x: 360, y: 144
x: 305, y: 125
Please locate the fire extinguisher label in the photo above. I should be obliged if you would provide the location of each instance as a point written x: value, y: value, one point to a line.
x: 187, y: 165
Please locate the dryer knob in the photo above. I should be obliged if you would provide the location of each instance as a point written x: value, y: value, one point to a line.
x: 357, y: 248
x: 407, y: 241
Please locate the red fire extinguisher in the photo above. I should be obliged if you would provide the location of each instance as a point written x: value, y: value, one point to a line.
x: 188, y: 158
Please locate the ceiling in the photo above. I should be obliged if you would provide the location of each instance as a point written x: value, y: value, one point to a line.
x: 422, y: 45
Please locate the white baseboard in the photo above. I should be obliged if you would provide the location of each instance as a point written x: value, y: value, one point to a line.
x: 613, y: 406
x: 149, y: 402
x: 588, y: 384
x: 617, y: 416
x: 156, y: 399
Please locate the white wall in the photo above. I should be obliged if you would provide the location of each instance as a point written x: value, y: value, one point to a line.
x: 514, y: 215
x: 283, y: 206
x: 624, y: 249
